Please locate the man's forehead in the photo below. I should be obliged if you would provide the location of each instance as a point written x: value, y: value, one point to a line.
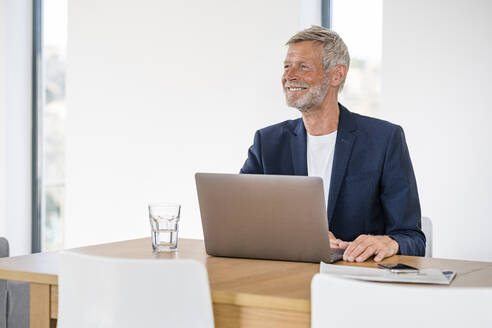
x: 304, y: 50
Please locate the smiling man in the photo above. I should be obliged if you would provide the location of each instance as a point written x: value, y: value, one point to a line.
x: 369, y: 186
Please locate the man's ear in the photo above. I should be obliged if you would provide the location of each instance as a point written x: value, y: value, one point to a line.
x: 338, y: 74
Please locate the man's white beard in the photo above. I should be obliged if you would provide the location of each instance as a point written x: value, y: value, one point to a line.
x: 314, y: 96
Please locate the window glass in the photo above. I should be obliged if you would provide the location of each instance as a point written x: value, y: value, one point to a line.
x: 54, y: 44
x: 359, y: 23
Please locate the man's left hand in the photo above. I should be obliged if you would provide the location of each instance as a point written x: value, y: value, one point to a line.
x: 365, y: 246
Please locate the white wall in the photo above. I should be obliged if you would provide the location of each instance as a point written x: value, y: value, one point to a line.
x: 159, y: 90
x: 15, y: 124
x: 309, y: 13
x: 437, y: 81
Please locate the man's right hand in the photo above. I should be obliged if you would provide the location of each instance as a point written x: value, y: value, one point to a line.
x: 335, y: 242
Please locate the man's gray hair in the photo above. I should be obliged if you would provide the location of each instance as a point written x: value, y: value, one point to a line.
x: 335, y: 51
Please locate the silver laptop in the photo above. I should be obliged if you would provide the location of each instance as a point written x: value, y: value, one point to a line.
x: 271, y: 217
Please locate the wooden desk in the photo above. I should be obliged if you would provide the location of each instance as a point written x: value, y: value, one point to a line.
x: 245, y: 293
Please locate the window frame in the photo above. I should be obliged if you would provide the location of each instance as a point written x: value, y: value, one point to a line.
x: 37, y: 127
x: 326, y: 13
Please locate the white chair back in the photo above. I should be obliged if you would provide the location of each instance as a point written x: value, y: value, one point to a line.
x: 338, y: 302
x: 427, y: 230
x: 112, y: 292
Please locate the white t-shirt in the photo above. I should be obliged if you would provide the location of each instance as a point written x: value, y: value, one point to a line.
x: 320, y: 150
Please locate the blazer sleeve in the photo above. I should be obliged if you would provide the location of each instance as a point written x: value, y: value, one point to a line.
x: 253, y: 164
x: 399, y: 197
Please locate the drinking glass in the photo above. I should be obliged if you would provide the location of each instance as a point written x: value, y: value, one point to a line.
x: 164, y: 224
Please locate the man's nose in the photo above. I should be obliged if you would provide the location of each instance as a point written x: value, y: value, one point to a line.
x: 290, y: 74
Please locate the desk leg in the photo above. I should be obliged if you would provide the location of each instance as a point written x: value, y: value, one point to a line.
x: 40, y: 306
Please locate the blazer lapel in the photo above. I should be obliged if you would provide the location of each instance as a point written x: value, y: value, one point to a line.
x: 298, y: 147
x: 343, y: 149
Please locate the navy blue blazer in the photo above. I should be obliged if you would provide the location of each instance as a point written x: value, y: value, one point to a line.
x: 373, y: 188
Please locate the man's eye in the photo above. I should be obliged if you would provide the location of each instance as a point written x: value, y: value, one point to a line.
x: 304, y: 67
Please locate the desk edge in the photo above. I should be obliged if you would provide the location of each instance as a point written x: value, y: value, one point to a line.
x: 30, y: 277
x: 262, y: 301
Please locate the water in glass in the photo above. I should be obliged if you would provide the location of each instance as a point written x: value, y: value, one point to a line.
x: 164, y: 234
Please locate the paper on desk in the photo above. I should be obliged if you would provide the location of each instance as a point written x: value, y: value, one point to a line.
x: 424, y: 276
